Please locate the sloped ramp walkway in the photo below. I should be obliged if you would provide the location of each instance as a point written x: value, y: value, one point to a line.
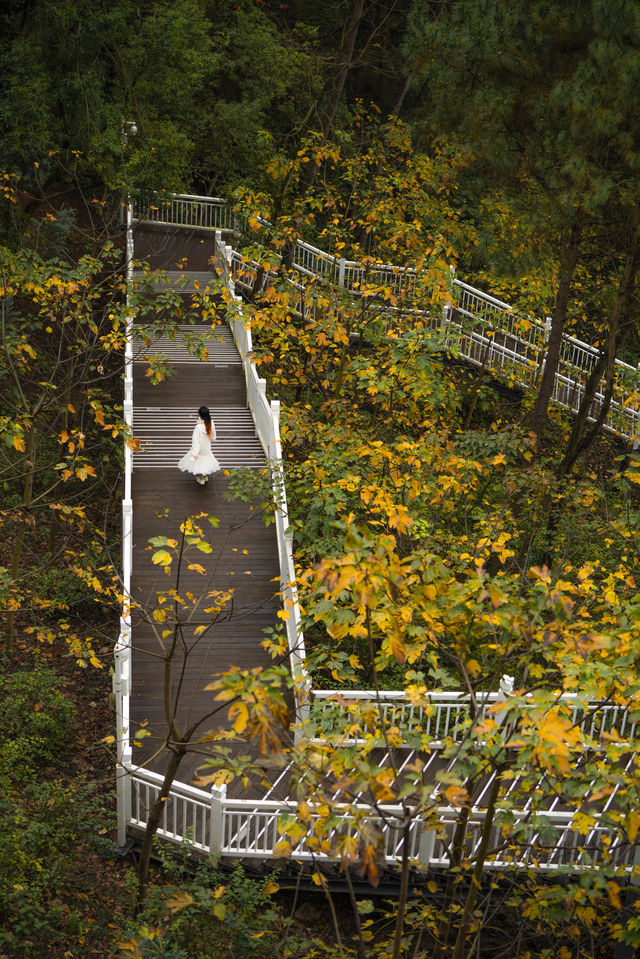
x: 243, y: 557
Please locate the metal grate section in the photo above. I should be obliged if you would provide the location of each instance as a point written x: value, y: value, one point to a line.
x: 218, y: 342
x: 164, y: 436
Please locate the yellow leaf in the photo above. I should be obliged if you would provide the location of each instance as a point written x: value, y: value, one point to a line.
x: 196, y: 567
x: 18, y: 442
x: 239, y: 714
x: 614, y: 894
x: 456, y: 795
x: 270, y: 888
x: 474, y: 667
x: 178, y: 902
x: 398, y: 647
x: 161, y: 558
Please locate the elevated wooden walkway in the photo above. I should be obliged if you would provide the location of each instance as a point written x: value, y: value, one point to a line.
x: 241, y: 822
x: 244, y: 552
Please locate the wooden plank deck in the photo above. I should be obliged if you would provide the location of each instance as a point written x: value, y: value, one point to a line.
x: 163, y: 418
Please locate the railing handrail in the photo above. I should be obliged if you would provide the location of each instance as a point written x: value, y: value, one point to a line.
x: 267, y: 420
x: 446, y: 812
x: 454, y: 696
x: 249, y: 828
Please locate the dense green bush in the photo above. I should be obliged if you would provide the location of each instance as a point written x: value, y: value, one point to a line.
x: 212, y: 913
x: 48, y: 823
x: 36, y: 719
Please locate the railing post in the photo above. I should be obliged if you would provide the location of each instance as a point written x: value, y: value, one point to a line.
x: 506, y: 690
x: 216, y: 835
x: 341, y: 270
x: 636, y: 416
x: 426, y: 847
x: 123, y: 795
x: 446, y: 320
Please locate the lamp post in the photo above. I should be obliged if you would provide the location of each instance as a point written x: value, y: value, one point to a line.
x: 128, y: 128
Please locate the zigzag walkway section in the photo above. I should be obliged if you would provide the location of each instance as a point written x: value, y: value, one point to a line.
x: 245, y: 823
x: 244, y: 555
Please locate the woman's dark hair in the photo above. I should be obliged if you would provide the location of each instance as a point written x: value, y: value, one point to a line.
x: 205, y: 415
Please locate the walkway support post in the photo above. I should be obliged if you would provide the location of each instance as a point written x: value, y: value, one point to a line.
x: 426, y: 846
x: 121, y: 691
x: 216, y: 835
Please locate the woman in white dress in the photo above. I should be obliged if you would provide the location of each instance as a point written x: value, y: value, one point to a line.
x: 200, y: 461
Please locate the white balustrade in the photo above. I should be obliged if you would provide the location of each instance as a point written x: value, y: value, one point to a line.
x: 251, y: 829
x: 266, y: 417
x: 186, y: 813
x: 511, y: 345
x: 446, y: 715
x: 184, y: 210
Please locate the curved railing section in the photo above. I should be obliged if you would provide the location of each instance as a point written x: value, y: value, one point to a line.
x: 550, y: 840
x: 445, y: 716
x: 478, y: 327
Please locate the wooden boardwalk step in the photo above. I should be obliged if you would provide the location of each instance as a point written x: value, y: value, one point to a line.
x: 165, y: 435
x: 218, y: 343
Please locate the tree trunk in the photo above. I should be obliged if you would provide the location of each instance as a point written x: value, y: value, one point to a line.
x: 538, y: 420
x: 27, y: 496
x: 472, y: 895
x: 404, y: 887
x: 345, y: 62
x: 178, y: 753
x: 454, y: 878
x: 579, y: 440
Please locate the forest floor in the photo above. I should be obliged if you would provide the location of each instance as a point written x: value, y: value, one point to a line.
x: 85, y: 896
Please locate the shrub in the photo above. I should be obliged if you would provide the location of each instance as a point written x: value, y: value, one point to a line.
x: 36, y: 719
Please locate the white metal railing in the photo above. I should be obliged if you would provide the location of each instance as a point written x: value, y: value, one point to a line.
x: 481, y: 328
x: 122, y: 663
x: 446, y: 715
x: 548, y: 840
x: 186, y: 815
x: 266, y: 417
x: 185, y: 210
x: 252, y: 829
x: 267, y: 421
x: 516, y: 345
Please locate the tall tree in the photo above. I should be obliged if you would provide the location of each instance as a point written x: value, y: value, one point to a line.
x: 543, y: 90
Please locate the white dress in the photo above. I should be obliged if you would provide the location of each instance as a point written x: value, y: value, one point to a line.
x: 200, y: 460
